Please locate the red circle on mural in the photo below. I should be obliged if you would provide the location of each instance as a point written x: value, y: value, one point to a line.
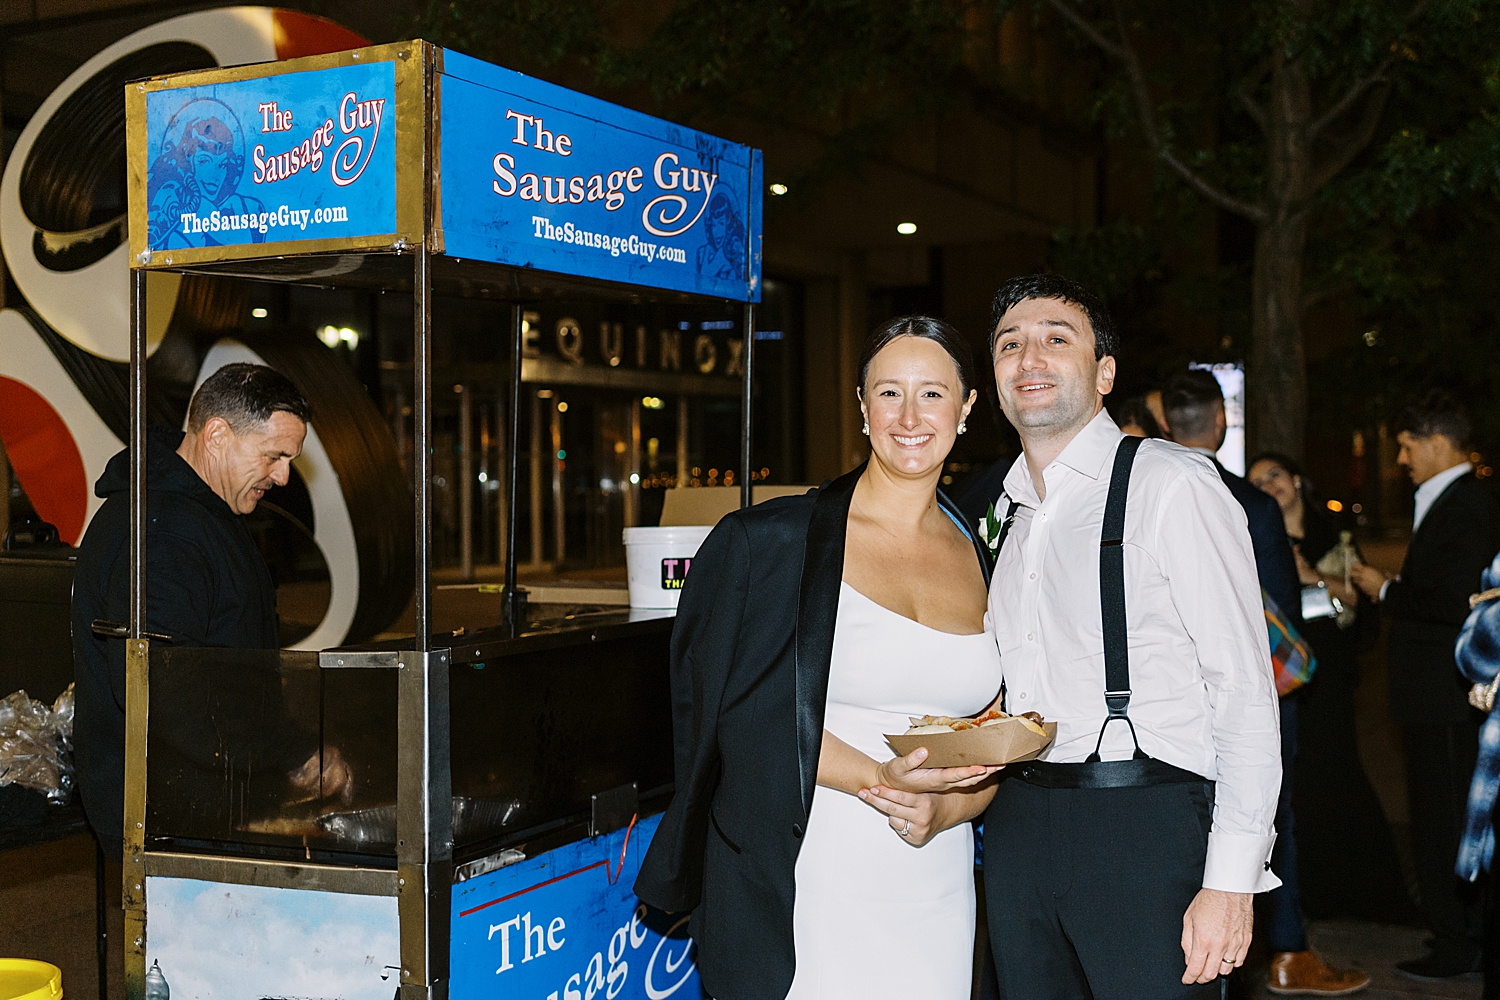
x: 45, y: 458
x: 299, y: 34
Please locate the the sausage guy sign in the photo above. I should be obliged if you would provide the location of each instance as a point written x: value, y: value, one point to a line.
x: 544, y: 177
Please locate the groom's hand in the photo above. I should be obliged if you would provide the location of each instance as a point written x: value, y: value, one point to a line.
x: 1216, y: 934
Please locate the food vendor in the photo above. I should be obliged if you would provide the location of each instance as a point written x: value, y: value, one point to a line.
x: 206, y: 585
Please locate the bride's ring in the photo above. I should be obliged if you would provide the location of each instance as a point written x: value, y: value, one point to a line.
x: 907, y: 831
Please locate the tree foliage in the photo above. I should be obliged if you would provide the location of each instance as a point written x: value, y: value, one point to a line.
x: 1400, y: 191
x: 1398, y: 188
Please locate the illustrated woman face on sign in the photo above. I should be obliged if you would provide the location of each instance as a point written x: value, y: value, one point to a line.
x: 722, y: 254
x: 197, y: 172
x: 206, y: 151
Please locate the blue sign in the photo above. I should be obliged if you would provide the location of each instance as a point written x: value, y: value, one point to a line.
x: 539, y: 176
x: 300, y: 156
x: 565, y: 925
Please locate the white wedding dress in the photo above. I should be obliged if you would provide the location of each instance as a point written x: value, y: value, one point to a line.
x: 876, y: 917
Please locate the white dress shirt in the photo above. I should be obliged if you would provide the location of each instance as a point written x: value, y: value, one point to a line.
x: 1204, y: 696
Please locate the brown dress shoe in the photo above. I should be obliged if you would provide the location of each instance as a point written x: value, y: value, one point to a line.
x: 1294, y: 972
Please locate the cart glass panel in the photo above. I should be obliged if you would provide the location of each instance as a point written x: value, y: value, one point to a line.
x: 261, y: 747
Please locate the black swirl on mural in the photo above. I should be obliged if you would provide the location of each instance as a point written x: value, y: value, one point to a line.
x: 73, y: 183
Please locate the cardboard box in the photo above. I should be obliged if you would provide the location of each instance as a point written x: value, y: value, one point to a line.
x: 1006, y: 742
x: 706, y: 504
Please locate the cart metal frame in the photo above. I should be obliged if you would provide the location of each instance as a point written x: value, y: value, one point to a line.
x: 423, y: 875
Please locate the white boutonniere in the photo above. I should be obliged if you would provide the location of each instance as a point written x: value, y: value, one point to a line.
x: 989, y: 530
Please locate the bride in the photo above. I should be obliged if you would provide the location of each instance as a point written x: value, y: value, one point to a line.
x: 816, y: 866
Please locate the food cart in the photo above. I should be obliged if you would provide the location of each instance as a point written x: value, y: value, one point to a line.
x: 509, y: 773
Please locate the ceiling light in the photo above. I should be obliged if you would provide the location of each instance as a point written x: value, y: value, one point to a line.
x: 778, y: 189
x: 258, y: 312
x: 906, y: 228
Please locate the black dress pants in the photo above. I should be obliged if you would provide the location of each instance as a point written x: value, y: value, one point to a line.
x: 1439, y: 763
x: 1085, y: 889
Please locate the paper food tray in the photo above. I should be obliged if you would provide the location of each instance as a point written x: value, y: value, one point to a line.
x: 1004, y: 743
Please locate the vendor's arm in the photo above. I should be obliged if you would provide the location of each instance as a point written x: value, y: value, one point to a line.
x: 179, y: 589
x: 228, y: 704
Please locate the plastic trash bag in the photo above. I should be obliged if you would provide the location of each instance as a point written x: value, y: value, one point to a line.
x: 36, y: 745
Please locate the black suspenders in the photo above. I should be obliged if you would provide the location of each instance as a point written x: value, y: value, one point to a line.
x: 1140, y: 769
x: 1112, y: 597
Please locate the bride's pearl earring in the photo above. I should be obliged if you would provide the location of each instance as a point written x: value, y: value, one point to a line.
x: 962, y: 427
x: 867, y: 429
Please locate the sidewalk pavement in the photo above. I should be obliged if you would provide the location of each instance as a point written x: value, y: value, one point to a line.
x: 1375, y: 949
x: 47, y: 912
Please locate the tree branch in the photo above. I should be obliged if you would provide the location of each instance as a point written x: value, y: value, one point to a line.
x: 1247, y: 87
x: 1360, y: 86
x: 1346, y: 102
x: 1082, y: 24
x: 1353, y: 145
x: 1137, y: 77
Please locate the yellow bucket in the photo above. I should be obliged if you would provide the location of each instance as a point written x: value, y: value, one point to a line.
x: 24, y: 979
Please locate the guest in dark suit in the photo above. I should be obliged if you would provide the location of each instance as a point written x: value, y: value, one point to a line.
x: 809, y: 627
x: 1193, y: 406
x: 1455, y: 532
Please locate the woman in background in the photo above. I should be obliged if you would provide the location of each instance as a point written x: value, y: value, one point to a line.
x: 1348, y: 864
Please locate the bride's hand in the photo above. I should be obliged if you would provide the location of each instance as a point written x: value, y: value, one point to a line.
x: 916, y: 817
x: 907, y: 774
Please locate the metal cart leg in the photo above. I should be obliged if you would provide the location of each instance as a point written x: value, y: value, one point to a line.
x: 137, y: 661
x: 101, y: 921
x: 747, y: 402
x: 424, y: 787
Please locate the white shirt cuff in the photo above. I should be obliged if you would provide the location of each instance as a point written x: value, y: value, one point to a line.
x: 1239, y: 862
x: 1383, y: 588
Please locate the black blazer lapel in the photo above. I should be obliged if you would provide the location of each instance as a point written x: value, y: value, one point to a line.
x: 818, y: 608
x: 817, y: 613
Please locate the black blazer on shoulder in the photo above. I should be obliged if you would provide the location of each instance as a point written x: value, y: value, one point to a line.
x: 1428, y: 604
x: 750, y: 657
x: 1274, y: 562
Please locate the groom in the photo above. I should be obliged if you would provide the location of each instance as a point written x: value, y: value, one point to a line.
x: 1123, y: 863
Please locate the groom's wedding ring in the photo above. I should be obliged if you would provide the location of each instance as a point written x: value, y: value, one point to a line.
x: 907, y: 831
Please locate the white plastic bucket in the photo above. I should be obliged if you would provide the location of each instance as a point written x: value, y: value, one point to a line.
x: 658, y: 560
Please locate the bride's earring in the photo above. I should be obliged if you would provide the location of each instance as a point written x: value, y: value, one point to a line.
x: 867, y: 429
x: 962, y: 427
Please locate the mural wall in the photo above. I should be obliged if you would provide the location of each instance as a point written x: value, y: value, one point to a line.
x: 63, y: 349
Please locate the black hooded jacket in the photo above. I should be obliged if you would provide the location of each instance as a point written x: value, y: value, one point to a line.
x: 206, y: 585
